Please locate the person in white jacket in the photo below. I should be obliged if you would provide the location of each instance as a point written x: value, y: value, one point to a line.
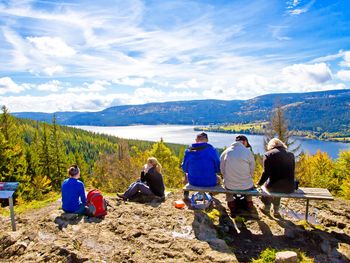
x: 237, y: 166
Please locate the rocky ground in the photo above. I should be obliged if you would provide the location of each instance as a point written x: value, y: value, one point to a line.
x: 157, y: 232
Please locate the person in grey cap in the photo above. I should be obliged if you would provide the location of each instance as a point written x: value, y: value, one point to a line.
x: 237, y: 166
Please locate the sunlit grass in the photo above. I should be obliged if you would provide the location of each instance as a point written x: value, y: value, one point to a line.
x: 34, y: 204
x: 269, y: 256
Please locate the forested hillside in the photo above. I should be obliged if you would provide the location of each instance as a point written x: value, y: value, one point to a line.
x: 327, y: 111
x: 37, y: 154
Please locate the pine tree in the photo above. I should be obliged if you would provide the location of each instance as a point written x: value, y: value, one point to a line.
x: 58, y: 163
x: 278, y: 127
x: 45, y: 158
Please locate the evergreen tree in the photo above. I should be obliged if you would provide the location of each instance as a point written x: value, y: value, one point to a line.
x: 58, y: 162
x: 45, y: 158
x: 278, y: 128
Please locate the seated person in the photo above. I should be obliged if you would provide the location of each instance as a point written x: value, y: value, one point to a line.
x: 237, y: 166
x: 201, y: 163
x: 278, y: 173
x: 150, y: 183
x: 73, y: 193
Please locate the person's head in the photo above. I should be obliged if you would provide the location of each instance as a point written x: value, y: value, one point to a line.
x: 274, y: 143
x: 153, y: 162
x: 243, y: 140
x: 202, y: 137
x: 74, y: 171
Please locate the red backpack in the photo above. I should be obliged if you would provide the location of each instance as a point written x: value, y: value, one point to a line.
x: 96, y: 203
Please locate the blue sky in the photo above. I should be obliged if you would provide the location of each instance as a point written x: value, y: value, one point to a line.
x: 90, y: 55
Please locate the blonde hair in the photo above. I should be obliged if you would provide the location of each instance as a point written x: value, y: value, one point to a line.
x: 273, y: 143
x: 154, y: 162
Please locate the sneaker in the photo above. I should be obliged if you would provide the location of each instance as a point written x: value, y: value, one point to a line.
x: 265, y: 209
x: 233, y: 208
x: 121, y: 196
x: 276, y: 212
x: 250, y: 206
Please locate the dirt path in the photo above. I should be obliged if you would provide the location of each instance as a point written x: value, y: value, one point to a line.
x: 157, y: 232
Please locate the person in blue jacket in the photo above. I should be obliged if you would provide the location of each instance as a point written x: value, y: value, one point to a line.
x: 73, y: 193
x: 201, y: 163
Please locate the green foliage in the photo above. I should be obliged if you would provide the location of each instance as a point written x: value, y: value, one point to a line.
x: 267, y: 256
x: 317, y: 171
x: 172, y: 173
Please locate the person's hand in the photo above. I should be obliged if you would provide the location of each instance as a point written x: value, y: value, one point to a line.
x: 185, y: 179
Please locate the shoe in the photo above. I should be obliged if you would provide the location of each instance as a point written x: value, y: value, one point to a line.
x: 122, y: 197
x: 232, y: 205
x: 276, y: 212
x: 265, y: 210
x: 250, y: 206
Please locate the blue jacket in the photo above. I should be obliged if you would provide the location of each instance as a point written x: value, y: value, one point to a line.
x: 73, y: 195
x: 201, y: 163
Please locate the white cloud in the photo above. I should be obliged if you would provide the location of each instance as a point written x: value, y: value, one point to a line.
x: 52, y: 86
x: 305, y: 74
x: 96, y: 86
x: 344, y: 75
x: 190, y: 84
x: 7, y: 85
x: 53, y: 70
x: 130, y: 81
x: 346, y: 61
x: 52, y: 46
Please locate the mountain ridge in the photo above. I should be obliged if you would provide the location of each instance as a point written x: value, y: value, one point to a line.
x: 321, y: 110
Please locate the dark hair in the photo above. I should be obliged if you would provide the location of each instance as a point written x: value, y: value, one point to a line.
x: 73, y: 170
x: 202, y: 136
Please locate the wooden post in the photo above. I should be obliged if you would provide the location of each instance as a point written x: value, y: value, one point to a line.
x: 307, y: 210
x: 12, y: 212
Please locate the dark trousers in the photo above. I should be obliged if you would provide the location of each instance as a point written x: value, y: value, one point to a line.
x: 137, y: 187
x: 271, y: 200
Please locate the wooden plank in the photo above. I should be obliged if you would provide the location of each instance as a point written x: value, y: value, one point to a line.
x: 303, y: 192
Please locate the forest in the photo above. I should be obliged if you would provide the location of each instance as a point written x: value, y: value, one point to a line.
x: 37, y: 155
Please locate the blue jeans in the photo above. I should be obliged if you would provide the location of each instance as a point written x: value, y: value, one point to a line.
x: 82, y: 210
x: 137, y: 187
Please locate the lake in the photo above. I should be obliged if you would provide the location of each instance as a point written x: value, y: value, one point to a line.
x: 184, y: 134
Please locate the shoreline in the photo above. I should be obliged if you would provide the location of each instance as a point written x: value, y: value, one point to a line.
x: 247, y: 132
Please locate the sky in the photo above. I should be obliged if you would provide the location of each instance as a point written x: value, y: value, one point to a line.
x: 91, y: 55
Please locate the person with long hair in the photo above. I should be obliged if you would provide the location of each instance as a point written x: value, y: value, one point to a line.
x: 150, y: 183
x: 73, y: 192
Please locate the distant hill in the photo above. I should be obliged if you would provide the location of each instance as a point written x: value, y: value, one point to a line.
x: 324, y: 111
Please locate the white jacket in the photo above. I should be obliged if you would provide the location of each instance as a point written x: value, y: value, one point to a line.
x: 237, y: 166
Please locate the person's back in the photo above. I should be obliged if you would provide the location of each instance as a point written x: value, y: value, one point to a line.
x: 279, y: 170
x: 201, y: 163
x: 237, y: 166
x: 154, y: 180
x: 73, y: 193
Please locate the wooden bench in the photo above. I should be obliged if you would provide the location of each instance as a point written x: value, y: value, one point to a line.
x: 301, y: 193
x: 6, y: 192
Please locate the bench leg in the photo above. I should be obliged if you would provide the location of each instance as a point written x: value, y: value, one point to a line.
x: 307, y: 210
x: 12, y: 212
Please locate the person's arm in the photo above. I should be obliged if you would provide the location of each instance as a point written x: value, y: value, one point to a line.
x: 216, y: 161
x: 251, y: 164
x: 184, y: 164
x: 82, y: 194
x: 143, y: 176
x: 223, y: 162
x: 266, y: 173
